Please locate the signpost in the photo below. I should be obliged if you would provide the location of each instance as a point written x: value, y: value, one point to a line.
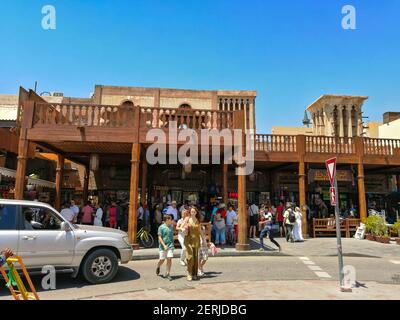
x: 334, y: 196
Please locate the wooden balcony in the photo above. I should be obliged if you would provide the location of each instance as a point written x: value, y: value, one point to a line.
x: 61, y: 124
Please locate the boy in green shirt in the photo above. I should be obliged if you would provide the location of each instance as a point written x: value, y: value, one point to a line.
x: 166, y: 245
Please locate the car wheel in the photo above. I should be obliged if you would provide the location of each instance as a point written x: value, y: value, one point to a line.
x: 100, y: 266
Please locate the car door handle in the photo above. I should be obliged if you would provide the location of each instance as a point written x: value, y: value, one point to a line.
x: 29, y: 237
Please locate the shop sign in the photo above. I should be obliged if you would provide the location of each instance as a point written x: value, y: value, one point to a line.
x: 322, y: 175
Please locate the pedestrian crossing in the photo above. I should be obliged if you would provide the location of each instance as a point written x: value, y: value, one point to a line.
x: 395, y: 261
x: 316, y: 269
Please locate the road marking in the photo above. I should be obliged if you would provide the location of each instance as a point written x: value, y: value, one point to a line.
x: 395, y: 261
x: 315, y: 268
x: 322, y: 274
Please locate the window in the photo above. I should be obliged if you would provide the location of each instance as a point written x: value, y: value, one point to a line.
x: 36, y: 218
x: 8, y: 217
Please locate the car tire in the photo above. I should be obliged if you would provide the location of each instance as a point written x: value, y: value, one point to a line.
x: 100, y: 266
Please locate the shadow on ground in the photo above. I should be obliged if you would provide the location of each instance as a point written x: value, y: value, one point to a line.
x: 65, y: 281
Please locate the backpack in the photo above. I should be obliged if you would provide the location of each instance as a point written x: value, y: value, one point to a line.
x: 292, y: 216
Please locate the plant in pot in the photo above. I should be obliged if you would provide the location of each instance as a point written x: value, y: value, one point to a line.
x: 382, y: 231
x: 396, y: 227
x: 371, y: 224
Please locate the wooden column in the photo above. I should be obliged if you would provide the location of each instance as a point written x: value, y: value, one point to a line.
x: 302, y: 198
x: 242, y: 244
x: 361, y: 193
x: 362, y: 203
x: 301, y: 149
x: 133, y: 195
x: 59, y: 176
x: 144, y: 181
x: 85, y: 193
x: 21, y: 165
x: 225, y: 182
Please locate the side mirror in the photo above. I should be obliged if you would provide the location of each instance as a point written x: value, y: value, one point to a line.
x: 65, y: 226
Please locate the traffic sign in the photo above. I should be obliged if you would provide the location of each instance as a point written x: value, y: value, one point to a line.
x: 333, y: 196
x: 331, y: 168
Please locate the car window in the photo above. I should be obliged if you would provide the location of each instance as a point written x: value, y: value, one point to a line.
x: 8, y: 217
x: 36, y: 218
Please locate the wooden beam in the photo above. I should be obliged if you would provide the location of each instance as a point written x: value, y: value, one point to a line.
x: 21, y: 165
x: 59, y: 176
x: 301, y: 150
x: 85, y: 192
x: 362, y: 204
x: 133, y: 195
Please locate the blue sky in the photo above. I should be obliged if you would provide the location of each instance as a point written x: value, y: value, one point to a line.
x: 290, y: 51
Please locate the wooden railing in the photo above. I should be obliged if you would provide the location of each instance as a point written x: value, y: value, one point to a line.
x: 186, y: 118
x: 122, y: 116
x: 275, y: 143
x: 324, y: 144
x: 386, y: 147
x: 82, y: 115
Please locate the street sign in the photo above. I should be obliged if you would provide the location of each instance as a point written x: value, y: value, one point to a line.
x: 332, y: 192
x: 331, y: 168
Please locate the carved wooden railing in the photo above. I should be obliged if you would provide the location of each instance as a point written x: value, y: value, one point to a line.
x: 90, y: 115
x: 386, y: 147
x: 83, y: 115
x: 335, y: 145
x: 186, y: 118
x: 275, y: 143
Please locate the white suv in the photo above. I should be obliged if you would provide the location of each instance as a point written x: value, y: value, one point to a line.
x: 41, y: 236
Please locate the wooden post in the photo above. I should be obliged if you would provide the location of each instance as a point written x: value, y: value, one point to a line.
x: 362, y: 204
x: 59, y: 176
x: 242, y: 244
x: 225, y: 182
x: 85, y: 193
x: 21, y: 165
x: 301, y: 149
x: 361, y: 193
x: 302, y: 198
x: 23, y: 146
x: 133, y: 195
x: 144, y: 181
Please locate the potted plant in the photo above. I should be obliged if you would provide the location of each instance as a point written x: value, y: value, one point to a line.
x: 396, y: 227
x: 381, y: 231
x: 370, y: 227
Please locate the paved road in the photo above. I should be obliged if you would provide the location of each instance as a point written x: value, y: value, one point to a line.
x: 303, y: 275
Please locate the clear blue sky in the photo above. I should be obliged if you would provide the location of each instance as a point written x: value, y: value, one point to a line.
x: 291, y: 52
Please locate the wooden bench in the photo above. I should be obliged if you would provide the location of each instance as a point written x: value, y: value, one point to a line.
x: 352, y: 225
x: 207, y: 225
x: 328, y: 226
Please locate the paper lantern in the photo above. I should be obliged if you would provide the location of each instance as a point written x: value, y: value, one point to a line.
x: 94, y: 162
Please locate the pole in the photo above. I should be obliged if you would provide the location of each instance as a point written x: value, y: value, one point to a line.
x: 339, y: 238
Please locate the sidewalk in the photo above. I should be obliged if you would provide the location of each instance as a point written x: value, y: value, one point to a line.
x: 310, y: 247
x: 265, y: 290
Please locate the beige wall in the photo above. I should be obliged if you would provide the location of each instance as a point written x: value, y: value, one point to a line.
x: 390, y: 130
x: 144, y: 101
x: 291, y: 130
x: 205, y: 104
x: 373, y: 129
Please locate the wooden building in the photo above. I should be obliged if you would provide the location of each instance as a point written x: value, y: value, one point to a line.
x: 108, y: 132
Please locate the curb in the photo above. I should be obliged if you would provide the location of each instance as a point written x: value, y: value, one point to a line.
x: 251, y: 253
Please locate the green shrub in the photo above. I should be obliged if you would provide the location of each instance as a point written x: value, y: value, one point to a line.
x: 396, y: 227
x: 376, y: 225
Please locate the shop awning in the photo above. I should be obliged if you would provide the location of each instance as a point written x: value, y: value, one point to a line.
x: 32, y: 181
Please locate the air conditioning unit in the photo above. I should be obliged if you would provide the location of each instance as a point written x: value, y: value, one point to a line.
x: 57, y: 94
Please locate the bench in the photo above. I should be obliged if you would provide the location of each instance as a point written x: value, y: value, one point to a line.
x: 328, y: 226
x: 207, y: 225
